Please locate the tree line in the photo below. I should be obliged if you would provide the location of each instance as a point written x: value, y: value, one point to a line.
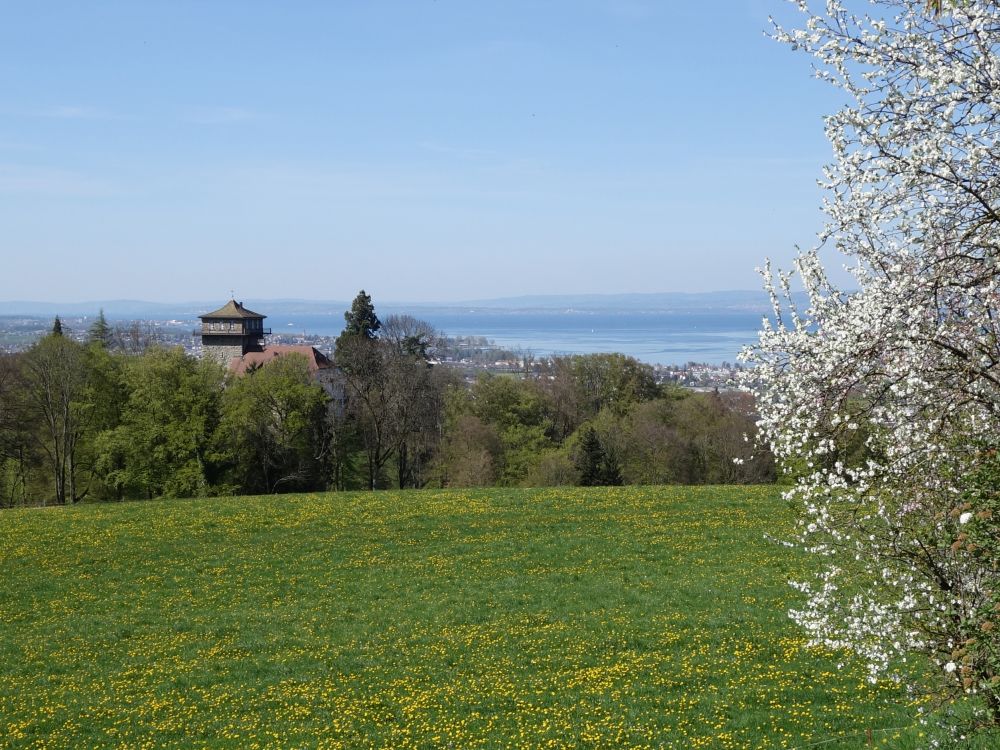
x: 103, y: 419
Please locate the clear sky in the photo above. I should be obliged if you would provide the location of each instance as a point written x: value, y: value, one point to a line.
x: 426, y: 150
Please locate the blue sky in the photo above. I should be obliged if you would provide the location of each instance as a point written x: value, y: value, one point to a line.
x: 426, y: 150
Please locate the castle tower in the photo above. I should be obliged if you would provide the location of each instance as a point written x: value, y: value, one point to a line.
x: 232, y: 331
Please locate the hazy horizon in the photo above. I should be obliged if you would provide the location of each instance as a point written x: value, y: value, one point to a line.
x: 660, y: 301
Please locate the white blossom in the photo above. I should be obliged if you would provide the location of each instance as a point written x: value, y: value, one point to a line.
x: 884, y: 400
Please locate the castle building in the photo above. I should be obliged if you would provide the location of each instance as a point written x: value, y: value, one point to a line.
x: 234, y: 337
x: 232, y: 331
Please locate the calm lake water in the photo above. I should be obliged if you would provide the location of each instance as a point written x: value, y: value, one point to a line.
x: 654, y: 337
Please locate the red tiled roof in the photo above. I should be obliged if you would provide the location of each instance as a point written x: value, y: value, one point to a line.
x: 316, y: 359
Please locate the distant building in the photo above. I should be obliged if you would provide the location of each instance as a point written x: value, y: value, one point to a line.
x: 232, y: 331
x: 234, y: 337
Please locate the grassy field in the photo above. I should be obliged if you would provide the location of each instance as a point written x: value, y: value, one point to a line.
x: 626, y: 617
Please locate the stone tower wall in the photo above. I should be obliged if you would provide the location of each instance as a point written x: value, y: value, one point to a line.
x: 223, y: 352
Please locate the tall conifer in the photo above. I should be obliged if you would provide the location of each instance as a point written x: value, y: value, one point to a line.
x: 100, y: 332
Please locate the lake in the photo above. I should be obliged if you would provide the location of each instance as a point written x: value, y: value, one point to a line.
x: 655, y: 337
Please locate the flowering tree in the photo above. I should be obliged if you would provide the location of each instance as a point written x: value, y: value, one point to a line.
x: 885, y: 402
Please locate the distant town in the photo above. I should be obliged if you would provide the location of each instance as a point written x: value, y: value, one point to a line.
x: 470, y: 354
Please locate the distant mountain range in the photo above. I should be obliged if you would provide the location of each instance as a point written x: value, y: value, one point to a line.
x: 116, y: 308
x: 742, y: 300
x: 129, y: 308
x: 659, y: 301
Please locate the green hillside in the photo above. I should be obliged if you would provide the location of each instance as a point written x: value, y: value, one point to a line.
x: 624, y: 617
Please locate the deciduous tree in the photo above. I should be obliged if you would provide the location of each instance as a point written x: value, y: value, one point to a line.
x: 578, y: 387
x: 18, y: 458
x: 417, y: 406
x: 903, y: 529
x: 135, y: 337
x: 163, y: 446
x: 54, y: 381
x: 271, y: 430
x: 470, y: 453
x: 394, y: 399
x: 363, y: 364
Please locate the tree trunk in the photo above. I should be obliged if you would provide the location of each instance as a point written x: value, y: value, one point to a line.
x: 402, y: 466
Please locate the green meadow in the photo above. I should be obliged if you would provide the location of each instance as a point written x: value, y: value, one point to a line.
x: 559, y: 618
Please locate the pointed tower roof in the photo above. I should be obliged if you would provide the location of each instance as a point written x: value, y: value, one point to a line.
x: 232, y: 309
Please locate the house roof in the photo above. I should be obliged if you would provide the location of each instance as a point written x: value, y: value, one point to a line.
x: 316, y: 359
x: 232, y: 309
